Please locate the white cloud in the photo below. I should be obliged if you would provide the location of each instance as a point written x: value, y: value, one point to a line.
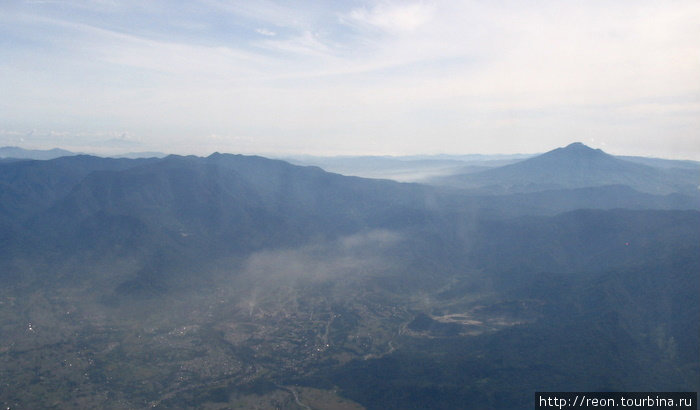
x: 265, y: 32
x: 393, y: 17
x: 306, y: 43
x: 265, y: 11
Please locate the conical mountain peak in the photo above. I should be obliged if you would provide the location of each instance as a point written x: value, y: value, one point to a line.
x: 577, y: 149
x: 577, y: 145
x: 570, y: 167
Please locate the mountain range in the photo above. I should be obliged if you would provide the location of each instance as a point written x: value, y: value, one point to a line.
x: 21, y: 153
x: 231, y: 280
x: 17, y: 153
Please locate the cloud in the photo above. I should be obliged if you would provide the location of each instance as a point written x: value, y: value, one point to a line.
x: 307, y: 43
x: 265, y: 32
x: 355, y: 254
x: 280, y: 15
x: 272, y: 278
x: 393, y: 17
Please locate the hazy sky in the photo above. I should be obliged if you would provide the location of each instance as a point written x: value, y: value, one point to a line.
x: 351, y: 77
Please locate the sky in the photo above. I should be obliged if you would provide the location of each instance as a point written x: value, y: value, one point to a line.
x: 346, y: 77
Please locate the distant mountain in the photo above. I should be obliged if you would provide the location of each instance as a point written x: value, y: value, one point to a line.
x: 575, y: 166
x: 663, y: 163
x: 21, y: 153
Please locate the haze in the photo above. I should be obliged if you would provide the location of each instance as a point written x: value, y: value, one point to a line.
x: 350, y: 77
